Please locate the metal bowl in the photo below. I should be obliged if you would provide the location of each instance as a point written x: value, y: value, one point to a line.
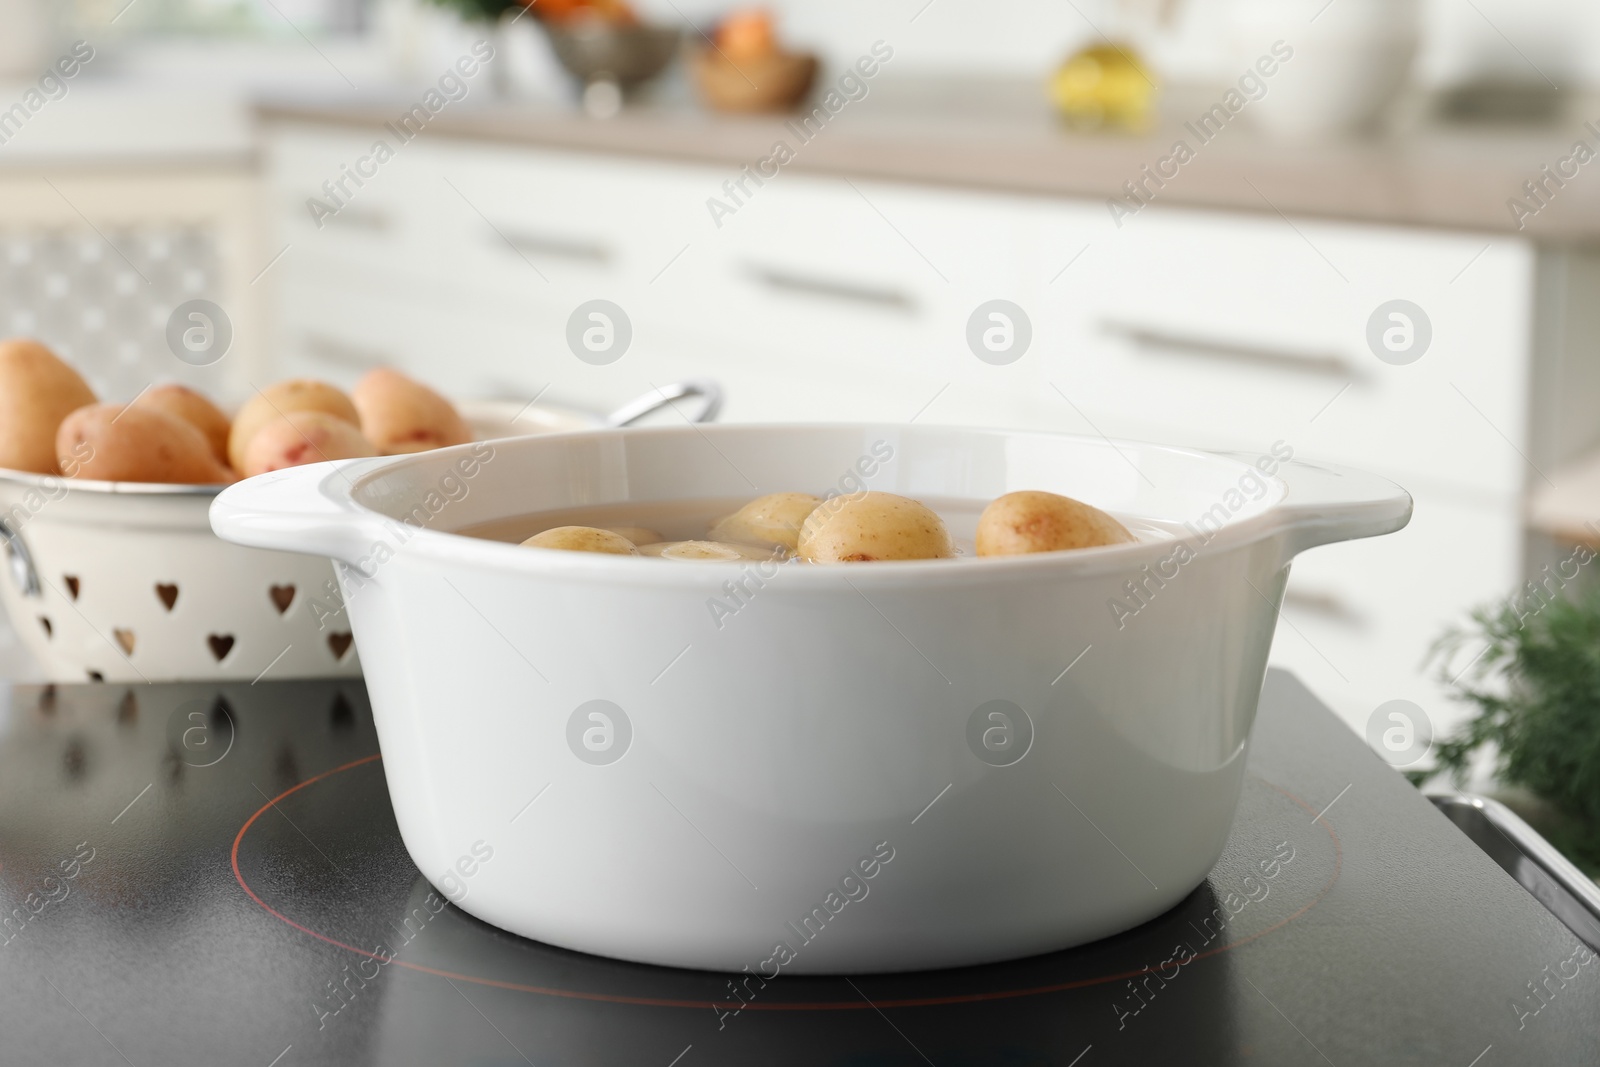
x: 626, y: 56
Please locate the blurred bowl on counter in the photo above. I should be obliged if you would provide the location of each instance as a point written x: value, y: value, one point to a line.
x: 1340, y: 79
x: 744, y: 69
x: 611, y: 59
x: 772, y: 83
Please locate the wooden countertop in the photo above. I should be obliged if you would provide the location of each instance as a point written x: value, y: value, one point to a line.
x: 1568, y: 508
x: 1457, y: 177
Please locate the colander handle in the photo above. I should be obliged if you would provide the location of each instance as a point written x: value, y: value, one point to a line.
x: 19, y: 561
x: 298, y: 510
x: 709, y: 392
x: 1328, y: 503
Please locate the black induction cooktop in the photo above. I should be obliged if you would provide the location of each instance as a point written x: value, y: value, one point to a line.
x: 199, y: 874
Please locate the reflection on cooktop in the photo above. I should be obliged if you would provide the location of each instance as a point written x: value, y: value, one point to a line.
x: 207, y: 874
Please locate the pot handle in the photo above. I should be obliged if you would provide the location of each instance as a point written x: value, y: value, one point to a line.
x: 1328, y: 503
x: 293, y: 510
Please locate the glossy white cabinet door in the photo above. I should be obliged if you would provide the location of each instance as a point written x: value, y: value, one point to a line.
x: 1231, y: 330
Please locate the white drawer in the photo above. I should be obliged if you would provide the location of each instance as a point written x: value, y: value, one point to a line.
x: 1218, y: 329
x: 1360, y: 617
x: 377, y: 225
x: 515, y: 223
x: 857, y: 295
x: 558, y: 221
x: 337, y: 323
x: 847, y: 269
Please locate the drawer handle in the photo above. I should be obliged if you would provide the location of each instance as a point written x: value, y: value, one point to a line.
x: 550, y: 246
x: 356, y: 217
x: 341, y: 354
x: 1330, y: 606
x: 791, y: 283
x: 1325, y: 364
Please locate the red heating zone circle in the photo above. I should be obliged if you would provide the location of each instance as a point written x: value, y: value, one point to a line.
x: 723, y: 1005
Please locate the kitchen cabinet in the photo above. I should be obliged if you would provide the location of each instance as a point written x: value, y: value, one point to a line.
x: 851, y: 299
x: 1222, y: 329
x: 799, y: 301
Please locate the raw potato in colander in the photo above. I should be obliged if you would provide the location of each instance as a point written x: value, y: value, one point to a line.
x: 400, y: 415
x: 37, y: 391
x: 302, y: 437
x: 275, y: 402
x: 109, y: 442
x: 184, y: 403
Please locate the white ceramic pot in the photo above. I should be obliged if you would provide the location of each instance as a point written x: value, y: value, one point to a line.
x: 917, y: 764
x: 1350, y: 60
x: 125, y: 582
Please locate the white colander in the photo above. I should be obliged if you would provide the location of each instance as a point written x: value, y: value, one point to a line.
x: 125, y: 582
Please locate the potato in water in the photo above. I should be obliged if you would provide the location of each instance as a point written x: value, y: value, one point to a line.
x: 865, y: 527
x: 774, y: 519
x: 583, y: 539
x: 113, y: 443
x: 303, y: 437
x: 1030, y: 521
x: 639, y: 535
x: 696, y: 551
x: 37, y: 391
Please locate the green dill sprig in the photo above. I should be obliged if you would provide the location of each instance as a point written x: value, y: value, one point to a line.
x: 1535, y: 683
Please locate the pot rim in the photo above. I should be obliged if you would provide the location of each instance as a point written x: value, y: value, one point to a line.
x: 314, y: 509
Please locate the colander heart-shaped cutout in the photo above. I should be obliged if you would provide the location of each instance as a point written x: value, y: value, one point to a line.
x: 339, y: 644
